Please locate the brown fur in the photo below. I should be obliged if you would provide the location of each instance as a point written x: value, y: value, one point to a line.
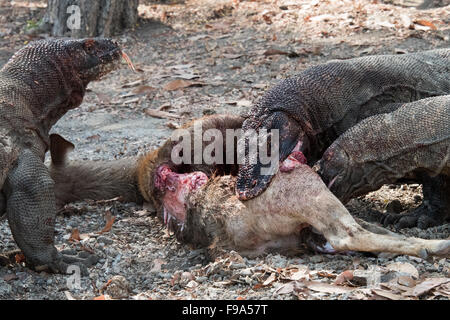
x: 133, y: 178
x: 148, y: 164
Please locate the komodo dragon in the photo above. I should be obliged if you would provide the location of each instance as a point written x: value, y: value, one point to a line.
x: 38, y: 85
x: 314, y: 108
x: 412, y: 142
x: 198, y: 202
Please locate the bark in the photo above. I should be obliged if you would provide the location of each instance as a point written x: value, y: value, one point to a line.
x: 87, y: 18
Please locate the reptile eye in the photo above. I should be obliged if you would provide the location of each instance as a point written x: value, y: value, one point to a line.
x: 89, y: 46
x: 88, y: 49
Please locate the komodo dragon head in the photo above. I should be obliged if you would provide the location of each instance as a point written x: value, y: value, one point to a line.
x: 52, y: 75
x: 87, y: 59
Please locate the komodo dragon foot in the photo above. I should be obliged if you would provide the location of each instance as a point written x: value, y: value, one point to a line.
x: 433, y: 211
x: 31, y: 212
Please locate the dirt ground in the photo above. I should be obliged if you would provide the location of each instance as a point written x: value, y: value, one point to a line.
x: 227, y: 53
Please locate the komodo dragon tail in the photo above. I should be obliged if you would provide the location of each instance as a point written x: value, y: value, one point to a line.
x: 95, y: 180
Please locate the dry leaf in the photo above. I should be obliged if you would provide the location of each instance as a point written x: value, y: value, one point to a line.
x: 326, y: 288
x: 19, y: 258
x: 300, y: 274
x: 387, y: 294
x: 132, y: 84
x: 404, y: 267
x: 285, y: 288
x: 109, y: 222
x: 177, y: 84
x: 161, y: 114
x: 426, y: 23
x: 272, y: 52
x: 406, y: 281
x: 345, y: 276
x: 181, y: 84
x: 75, y: 235
x: 258, y: 286
x: 143, y: 90
x: 130, y: 101
x: 232, y: 55
x: 102, y: 297
x: 427, y: 285
x: 69, y: 295
x: 269, y: 280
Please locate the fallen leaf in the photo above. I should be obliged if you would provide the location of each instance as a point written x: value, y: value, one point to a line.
x: 109, y: 222
x: 240, y: 298
x: 102, y: 297
x: 19, y: 258
x: 406, y: 281
x: 300, y: 274
x: 69, y: 295
x: 387, y: 294
x: 132, y: 84
x: 403, y: 267
x: 427, y: 285
x: 181, y: 84
x: 326, y: 288
x: 75, y: 235
x: 161, y: 114
x: 426, y: 23
x: 269, y: 280
x: 258, y: 286
x: 130, y: 101
x: 345, y: 276
x: 232, y: 55
x: 143, y: 90
x: 272, y: 52
x: 285, y: 288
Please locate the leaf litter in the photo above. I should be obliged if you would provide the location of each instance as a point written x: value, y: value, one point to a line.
x: 220, y: 57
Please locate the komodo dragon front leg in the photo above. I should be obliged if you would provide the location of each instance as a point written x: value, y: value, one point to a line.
x: 31, y: 213
x: 412, y: 142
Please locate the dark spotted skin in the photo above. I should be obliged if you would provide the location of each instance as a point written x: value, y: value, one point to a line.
x: 412, y: 143
x: 38, y: 85
x: 322, y: 102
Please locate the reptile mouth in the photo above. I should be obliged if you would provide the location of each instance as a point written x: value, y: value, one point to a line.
x: 112, y: 60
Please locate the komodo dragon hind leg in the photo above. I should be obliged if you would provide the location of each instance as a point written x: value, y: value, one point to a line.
x: 31, y: 212
x: 433, y: 211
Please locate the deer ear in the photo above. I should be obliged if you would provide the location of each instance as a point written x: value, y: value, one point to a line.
x: 59, y: 149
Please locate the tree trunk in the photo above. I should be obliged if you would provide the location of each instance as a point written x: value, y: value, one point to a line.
x: 87, y: 18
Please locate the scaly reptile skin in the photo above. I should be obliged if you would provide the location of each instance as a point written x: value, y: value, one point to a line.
x: 38, y: 85
x: 411, y: 142
x: 321, y: 103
